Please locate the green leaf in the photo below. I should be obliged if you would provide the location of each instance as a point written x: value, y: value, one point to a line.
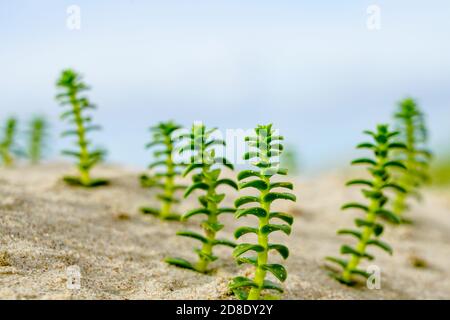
x: 197, y: 185
x: 255, y: 211
x: 251, y: 155
x: 240, y: 282
x: 244, y: 230
x: 354, y: 205
x: 157, y: 164
x: 282, y: 249
x: 343, y: 263
x: 397, y: 145
x: 225, y: 210
x: 218, y: 198
x: 380, y: 244
x: 191, y: 167
x: 211, y: 226
x: 282, y: 216
x: 356, y: 234
x: 394, y: 186
x: 372, y: 194
x: 277, y: 270
x: 205, y: 256
x: 247, y: 173
x: 349, y: 250
x: 224, y: 242
x: 152, y: 211
x: 272, y: 196
x: 257, y: 184
x: 377, y: 228
x: 244, y: 200
x: 269, y: 228
x: 389, y: 215
x: 247, y: 260
x: 179, y: 262
x: 244, y: 247
x: 224, y: 162
x: 365, y: 145
x: 364, y: 161
x: 269, y: 285
x: 286, y: 185
x: 228, y: 182
x: 396, y: 164
x: 191, y: 234
x: 360, y: 182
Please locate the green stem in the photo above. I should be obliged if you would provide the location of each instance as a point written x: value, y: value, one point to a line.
x: 207, y: 247
x: 169, y: 185
x: 263, y: 240
x: 84, y: 154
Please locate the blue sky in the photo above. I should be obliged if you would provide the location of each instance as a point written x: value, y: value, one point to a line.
x: 310, y: 67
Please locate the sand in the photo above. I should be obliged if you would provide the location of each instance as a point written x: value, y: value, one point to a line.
x: 46, y: 227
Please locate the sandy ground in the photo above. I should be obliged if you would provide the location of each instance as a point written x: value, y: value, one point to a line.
x: 45, y: 227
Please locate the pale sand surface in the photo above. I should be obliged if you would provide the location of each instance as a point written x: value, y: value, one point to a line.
x: 46, y: 226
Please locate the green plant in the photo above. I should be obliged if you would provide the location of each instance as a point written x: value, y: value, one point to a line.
x: 163, y: 135
x: 411, y: 124
x: 37, y: 135
x: 205, y: 168
x: 374, y: 189
x: 72, y: 86
x: 266, y: 148
x: 7, y: 144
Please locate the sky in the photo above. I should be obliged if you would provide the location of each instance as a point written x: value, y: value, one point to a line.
x: 312, y: 68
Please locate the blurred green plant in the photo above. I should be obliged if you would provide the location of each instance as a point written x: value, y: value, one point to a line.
x: 8, y: 142
x: 37, y: 136
x: 205, y: 168
x: 265, y: 146
x: 413, y: 133
x: 380, y: 167
x: 440, y: 171
x: 72, y: 87
x: 289, y: 159
x: 163, y: 135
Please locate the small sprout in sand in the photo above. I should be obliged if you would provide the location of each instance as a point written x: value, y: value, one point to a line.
x: 37, y: 136
x: 374, y: 190
x: 164, y: 135
x: 411, y: 124
x: 72, y: 88
x: 206, y: 167
x: 7, y: 143
x: 267, y: 148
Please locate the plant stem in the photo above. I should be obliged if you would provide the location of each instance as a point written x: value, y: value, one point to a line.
x: 84, y: 154
x: 375, y: 205
x: 212, y: 219
x: 169, y: 185
x: 263, y: 240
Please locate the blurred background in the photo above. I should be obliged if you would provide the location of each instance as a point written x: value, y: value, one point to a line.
x: 313, y: 68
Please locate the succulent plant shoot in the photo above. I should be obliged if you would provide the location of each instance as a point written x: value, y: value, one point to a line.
x: 72, y: 88
x: 413, y: 133
x: 37, y: 136
x: 374, y: 189
x: 205, y: 168
x: 265, y: 150
x: 164, y: 136
x: 8, y: 141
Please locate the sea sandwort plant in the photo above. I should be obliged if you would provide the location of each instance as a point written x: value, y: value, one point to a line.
x: 8, y: 141
x: 266, y: 149
x: 164, y: 135
x: 37, y: 136
x: 374, y: 190
x: 414, y: 134
x: 205, y: 168
x: 72, y: 87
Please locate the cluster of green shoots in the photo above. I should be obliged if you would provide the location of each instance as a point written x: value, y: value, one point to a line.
x: 374, y: 189
x: 411, y: 124
x: 7, y: 143
x: 205, y: 169
x: 266, y: 149
x: 164, y: 135
x: 72, y: 87
x: 37, y: 136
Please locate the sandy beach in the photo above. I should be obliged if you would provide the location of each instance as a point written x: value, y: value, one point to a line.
x: 46, y: 227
